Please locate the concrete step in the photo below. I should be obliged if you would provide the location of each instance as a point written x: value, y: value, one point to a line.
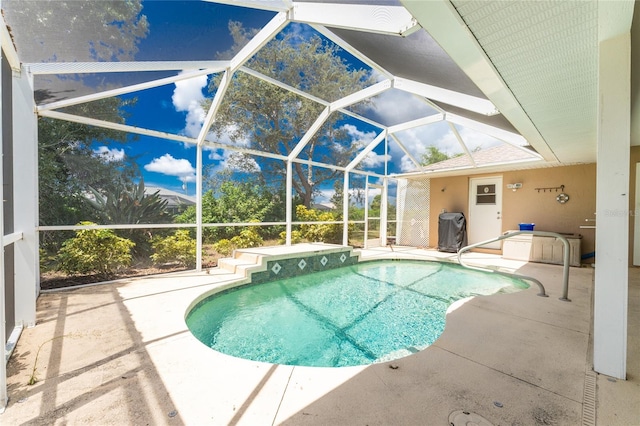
x: 249, y: 257
x: 236, y: 266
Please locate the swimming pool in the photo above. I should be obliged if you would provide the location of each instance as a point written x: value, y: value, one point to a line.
x: 369, y: 312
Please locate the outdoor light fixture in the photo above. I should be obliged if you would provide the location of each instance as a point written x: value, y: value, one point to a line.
x: 514, y: 186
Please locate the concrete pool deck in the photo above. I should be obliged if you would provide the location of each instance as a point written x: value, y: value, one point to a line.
x: 120, y: 353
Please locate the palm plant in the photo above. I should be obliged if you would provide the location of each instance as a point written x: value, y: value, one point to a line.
x: 129, y: 204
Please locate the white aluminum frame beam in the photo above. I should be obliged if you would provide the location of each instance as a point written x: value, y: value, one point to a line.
x: 419, y: 122
x: 307, y: 136
x: 381, y: 19
x: 263, y: 36
x: 375, y: 142
x: 215, y: 106
x: 8, y: 49
x: 405, y: 150
x: 462, y: 143
x: 309, y: 96
x: 271, y: 5
x: 282, y: 85
x: 361, y: 95
x: 363, y: 119
x: 127, y: 89
x: 449, y: 97
x: 185, y: 139
x: 352, y: 50
x: 511, y: 138
x: 273, y: 27
x: 46, y: 68
x: 115, y: 126
x: 482, y: 168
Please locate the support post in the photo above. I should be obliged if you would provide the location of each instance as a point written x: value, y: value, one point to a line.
x: 384, y: 211
x: 612, y: 207
x: 4, y: 398
x: 199, y: 232
x: 345, y: 211
x: 25, y: 198
x: 289, y: 200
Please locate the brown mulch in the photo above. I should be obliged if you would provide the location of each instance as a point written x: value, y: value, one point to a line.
x: 54, y: 280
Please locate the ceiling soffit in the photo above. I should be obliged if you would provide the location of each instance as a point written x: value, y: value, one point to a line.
x: 546, y: 53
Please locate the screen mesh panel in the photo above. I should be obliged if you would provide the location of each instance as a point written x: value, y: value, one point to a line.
x: 412, y: 227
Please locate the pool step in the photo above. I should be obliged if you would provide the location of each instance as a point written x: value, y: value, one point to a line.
x: 249, y: 257
x: 237, y: 265
x: 245, y: 262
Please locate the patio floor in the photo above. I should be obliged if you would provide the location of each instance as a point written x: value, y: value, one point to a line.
x: 120, y: 353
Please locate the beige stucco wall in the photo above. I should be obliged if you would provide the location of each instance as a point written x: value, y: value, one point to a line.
x: 634, y: 158
x: 528, y: 205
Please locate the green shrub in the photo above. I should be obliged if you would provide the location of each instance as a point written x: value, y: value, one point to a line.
x: 98, y: 251
x: 326, y: 232
x: 296, y: 237
x: 249, y: 237
x: 179, y: 247
x: 223, y: 247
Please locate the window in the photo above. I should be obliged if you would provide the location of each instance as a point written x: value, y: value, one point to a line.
x: 485, y: 194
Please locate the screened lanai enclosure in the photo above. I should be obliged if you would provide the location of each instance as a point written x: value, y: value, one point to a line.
x: 255, y: 109
x: 180, y: 130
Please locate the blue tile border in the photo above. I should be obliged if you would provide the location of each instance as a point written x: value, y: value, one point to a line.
x: 296, y: 266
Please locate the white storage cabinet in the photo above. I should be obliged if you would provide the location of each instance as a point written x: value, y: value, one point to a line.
x: 534, y: 248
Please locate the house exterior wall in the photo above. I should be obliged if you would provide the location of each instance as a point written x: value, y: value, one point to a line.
x: 634, y: 158
x: 526, y: 204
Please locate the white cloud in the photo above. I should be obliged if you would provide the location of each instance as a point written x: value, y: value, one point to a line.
x: 358, y: 136
x: 475, y: 139
x: 232, y: 160
x: 188, y: 96
x: 225, y: 137
x: 418, y: 139
x: 406, y: 165
x: 218, y: 154
x: 109, y: 154
x: 167, y: 165
x: 374, y: 160
x: 395, y: 106
x: 323, y: 196
x: 373, y: 192
x: 363, y: 139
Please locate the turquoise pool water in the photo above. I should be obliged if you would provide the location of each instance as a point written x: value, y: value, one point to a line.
x: 362, y: 314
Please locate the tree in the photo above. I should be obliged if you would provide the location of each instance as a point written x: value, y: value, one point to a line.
x: 274, y: 120
x: 434, y: 155
x: 68, y: 166
x: 376, y: 205
x: 234, y: 202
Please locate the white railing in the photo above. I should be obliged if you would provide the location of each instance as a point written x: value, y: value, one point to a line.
x: 565, y: 275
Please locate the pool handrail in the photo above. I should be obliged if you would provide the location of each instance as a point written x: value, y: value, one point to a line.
x: 509, y: 234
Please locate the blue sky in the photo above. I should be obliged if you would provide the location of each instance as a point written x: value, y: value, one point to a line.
x: 189, y: 30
